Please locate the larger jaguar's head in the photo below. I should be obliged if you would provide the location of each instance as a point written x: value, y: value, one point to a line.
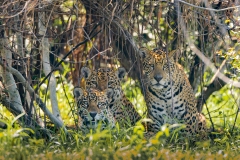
x: 104, y: 78
x: 156, y: 65
x: 93, y: 107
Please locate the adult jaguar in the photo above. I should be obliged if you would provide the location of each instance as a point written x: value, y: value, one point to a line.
x: 169, y: 95
x: 107, y: 78
x: 93, y: 108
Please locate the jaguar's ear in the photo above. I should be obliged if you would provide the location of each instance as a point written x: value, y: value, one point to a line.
x: 109, y: 92
x: 77, y: 92
x: 85, y: 72
x: 121, y: 73
x: 143, y: 52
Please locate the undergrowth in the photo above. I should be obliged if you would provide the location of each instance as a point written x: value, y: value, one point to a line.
x: 123, y: 143
x: 19, y: 143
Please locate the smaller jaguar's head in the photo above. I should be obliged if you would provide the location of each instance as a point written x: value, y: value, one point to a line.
x: 156, y: 65
x: 93, y: 107
x: 105, y: 78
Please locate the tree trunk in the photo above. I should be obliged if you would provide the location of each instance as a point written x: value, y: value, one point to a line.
x: 46, y: 65
x: 8, y: 79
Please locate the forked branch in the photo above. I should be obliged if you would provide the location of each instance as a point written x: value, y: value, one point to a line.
x: 19, y: 76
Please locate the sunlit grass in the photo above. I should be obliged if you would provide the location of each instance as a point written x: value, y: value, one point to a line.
x: 17, y: 143
x: 123, y: 143
x: 5, y: 114
x: 133, y: 92
x: 223, y: 108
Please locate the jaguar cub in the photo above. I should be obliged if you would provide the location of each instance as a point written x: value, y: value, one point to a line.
x: 169, y: 95
x: 93, y: 108
x: 107, y: 78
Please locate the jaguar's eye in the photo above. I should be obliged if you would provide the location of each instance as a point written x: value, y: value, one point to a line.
x: 83, y: 104
x: 148, y: 68
x: 101, y: 105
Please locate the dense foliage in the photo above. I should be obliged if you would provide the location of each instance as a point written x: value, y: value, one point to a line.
x: 71, y: 34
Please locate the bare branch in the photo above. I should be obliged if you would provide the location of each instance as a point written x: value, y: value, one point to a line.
x: 28, y: 6
x: 46, y: 66
x: 19, y: 76
x: 215, y: 85
x: 8, y: 79
x: 70, y: 52
x: 207, y: 62
x: 209, y: 9
x: 24, y: 120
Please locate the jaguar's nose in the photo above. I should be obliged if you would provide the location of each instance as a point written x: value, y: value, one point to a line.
x: 93, y: 115
x: 158, y: 77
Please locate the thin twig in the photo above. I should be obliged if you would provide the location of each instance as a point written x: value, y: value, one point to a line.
x: 210, y: 118
x: 70, y: 52
x: 215, y: 75
x: 235, y: 120
x: 25, y: 83
x: 71, y: 107
x: 209, y: 9
x: 207, y: 62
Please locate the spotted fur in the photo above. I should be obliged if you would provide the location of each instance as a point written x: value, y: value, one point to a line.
x: 93, y: 108
x: 169, y: 95
x: 103, y: 78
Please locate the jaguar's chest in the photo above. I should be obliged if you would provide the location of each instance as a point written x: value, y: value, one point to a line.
x: 168, y: 101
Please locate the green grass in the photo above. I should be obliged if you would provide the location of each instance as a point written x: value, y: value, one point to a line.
x: 16, y: 143
x: 124, y: 143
